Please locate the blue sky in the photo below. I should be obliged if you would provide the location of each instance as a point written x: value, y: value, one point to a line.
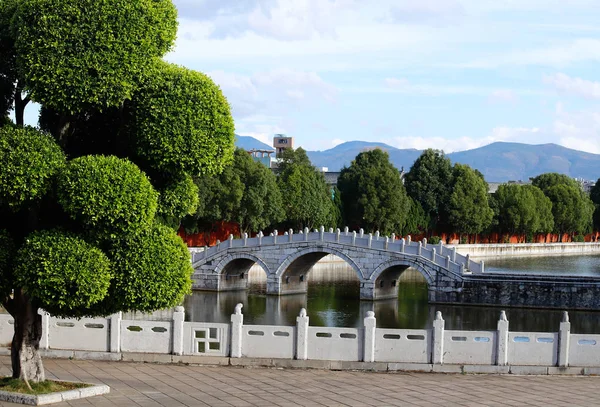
x: 447, y: 74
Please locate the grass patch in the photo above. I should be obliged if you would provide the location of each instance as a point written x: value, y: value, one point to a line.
x: 48, y: 386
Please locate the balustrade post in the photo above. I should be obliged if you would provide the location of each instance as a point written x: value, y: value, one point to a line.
x: 322, y: 233
x: 306, y: 232
x: 115, y: 332
x: 564, y: 341
x: 302, y: 335
x: 237, y: 327
x: 245, y: 239
x: 441, y: 248
x: 260, y: 236
x: 448, y: 262
x: 482, y: 266
x: 425, y: 242
x: 337, y: 235
x: 346, y: 231
x: 353, y: 238
x: 454, y: 254
x: 361, y: 232
x: 330, y: 230
x: 178, y: 318
x: 419, y: 248
x: 387, y: 241
x: 433, y: 254
x: 230, y: 240
x: 438, y: 339
x: 370, y: 239
x: 376, y: 235
x: 502, y: 351
x: 408, y: 240
x: 44, y: 340
x: 393, y: 237
x: 290, y: 235
x: 369, y: 340
x: 402, y: 243
x: 275, y: 233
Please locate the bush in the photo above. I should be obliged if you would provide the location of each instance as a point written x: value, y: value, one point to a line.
x: 182, y: 122
x: 152, y: 270
x: 62, y: 271
x: 179, y: 198
x: 463, y: 240
x: 579, y: 238
x: 29, y: 161
x: 119, y: 39
x: 434, y: 240
x: 110, y: 196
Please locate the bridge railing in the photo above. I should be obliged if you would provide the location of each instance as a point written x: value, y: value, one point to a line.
x: 368, y: 343
x: 442, y: 255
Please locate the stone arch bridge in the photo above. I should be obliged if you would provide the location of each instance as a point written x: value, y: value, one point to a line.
x: 286, y: 260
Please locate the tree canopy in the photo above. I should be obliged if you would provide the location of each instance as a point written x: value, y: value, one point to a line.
x: 372, y: 193
x: 468, y: 208
x: 307, y: 200
x: 428, y: 182
x: 84, y: 199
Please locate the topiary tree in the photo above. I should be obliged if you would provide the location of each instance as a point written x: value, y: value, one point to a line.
x: 83, y: 201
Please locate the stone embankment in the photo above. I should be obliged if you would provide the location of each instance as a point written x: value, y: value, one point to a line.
x: 528, y: 249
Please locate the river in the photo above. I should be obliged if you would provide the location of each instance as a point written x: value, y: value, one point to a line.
x: 333, y: 300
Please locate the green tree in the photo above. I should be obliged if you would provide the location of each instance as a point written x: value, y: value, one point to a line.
x: 81, y: 203
x: 373, y: 195
x: 468, y: 208
x: 523, y: 209
x: 572, y: 209
x: 595, y: 197
x: 429, y: 183
x: 307, y: 200
x: 417, y: 221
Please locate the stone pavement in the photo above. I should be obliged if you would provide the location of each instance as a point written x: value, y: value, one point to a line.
x: 145, y: 384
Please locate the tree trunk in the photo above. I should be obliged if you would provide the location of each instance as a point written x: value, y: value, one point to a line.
x: 25, y: 356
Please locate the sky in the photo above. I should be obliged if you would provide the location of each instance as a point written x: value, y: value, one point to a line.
x: 447, y: 74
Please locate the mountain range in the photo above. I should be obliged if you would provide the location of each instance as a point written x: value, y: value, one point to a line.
x: 499, y: 162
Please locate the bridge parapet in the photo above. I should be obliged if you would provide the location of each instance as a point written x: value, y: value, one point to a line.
x: 439, y: 254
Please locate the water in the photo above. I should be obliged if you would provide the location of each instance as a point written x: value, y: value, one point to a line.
x: 333, y: 300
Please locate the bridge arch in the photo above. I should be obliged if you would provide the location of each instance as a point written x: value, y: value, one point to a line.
x: 318, y: 249
x: 403, y: 262
x: 227, y: 260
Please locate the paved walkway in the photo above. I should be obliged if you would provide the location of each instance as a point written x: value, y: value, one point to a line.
x: 139, y: 384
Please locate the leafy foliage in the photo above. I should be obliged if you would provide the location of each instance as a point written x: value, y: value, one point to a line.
x: 63, y: 272
x: 110, y: 196
x: 372, y: 192
x: 178, y: 198
x: 29, y: 161
x: 181, y: 122
x: 8, y: 68
x: 79, y: 53
x: 468, y: 207
x: 151, y: 270
x: 306, y: 197
x: 523, y: 209
x: 417, y: 221
x: 429, y: 183
x: 595, y: 193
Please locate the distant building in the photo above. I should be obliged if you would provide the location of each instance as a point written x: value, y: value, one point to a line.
x: 262, y: 156
x: 282, y: 142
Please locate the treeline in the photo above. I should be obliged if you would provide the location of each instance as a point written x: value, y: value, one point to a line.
x: 435, y: 197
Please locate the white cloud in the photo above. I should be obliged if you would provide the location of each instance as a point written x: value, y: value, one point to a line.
x: 273, y: 92
x: 577, y: 86
x: 579, y: 130
x: 437, y: 12
x: 503, y: 96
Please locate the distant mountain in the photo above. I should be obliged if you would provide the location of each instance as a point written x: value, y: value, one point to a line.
x: 250, y: 143
x: 499, y: 162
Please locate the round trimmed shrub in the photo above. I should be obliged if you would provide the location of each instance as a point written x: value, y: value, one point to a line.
x: 62, y: 272
x: 152, y: 271
x: 80, y: 53
x: 179, y: 198
x: 111, y: 197
x: 181, y: 122
x: 29, y: 160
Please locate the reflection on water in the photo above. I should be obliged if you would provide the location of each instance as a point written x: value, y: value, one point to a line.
x: 564, y: 265
x: 333, y: 300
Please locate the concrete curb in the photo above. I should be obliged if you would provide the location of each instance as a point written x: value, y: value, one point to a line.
x: 42, y: 399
